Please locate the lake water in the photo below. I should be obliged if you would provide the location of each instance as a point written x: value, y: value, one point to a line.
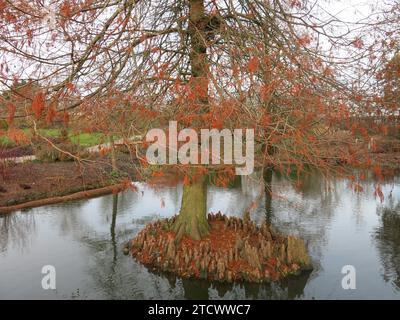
x: 83, y: 240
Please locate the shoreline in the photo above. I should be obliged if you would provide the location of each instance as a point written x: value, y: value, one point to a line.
x: 32, y: 184
x: 37, y: 184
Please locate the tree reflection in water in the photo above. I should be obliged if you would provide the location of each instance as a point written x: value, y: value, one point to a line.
x: 291, y: 288
x: 111, y: 271
x: 268, y: 194
x: 388, y: 243
x: 92, y: 232
x: 16, y: 230
x: 112, y: 229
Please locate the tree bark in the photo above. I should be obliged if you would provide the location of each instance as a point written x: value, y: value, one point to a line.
x: 113, y: 158
x: 198, y: 51
x: 192, y: 219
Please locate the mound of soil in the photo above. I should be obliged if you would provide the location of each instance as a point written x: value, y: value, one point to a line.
x: 234, y: 250
x: 30, y: 181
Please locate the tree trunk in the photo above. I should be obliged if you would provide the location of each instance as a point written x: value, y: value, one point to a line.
x: 113, y: 158
x: 192, y: 218
x: 198, y: 52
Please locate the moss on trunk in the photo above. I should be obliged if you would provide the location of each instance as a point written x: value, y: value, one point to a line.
x: 192, y: 218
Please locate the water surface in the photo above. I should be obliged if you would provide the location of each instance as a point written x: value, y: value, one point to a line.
x: 83, y: 241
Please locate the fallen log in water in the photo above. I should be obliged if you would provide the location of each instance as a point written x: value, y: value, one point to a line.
x: 74, y: 196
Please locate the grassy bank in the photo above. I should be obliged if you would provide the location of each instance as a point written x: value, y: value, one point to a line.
x: 82, y: 139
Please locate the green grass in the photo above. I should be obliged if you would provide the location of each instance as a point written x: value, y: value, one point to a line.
x: 50, y: 133
x: 87, y: 139
x: 83, y: 139
x: 4, y: 141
